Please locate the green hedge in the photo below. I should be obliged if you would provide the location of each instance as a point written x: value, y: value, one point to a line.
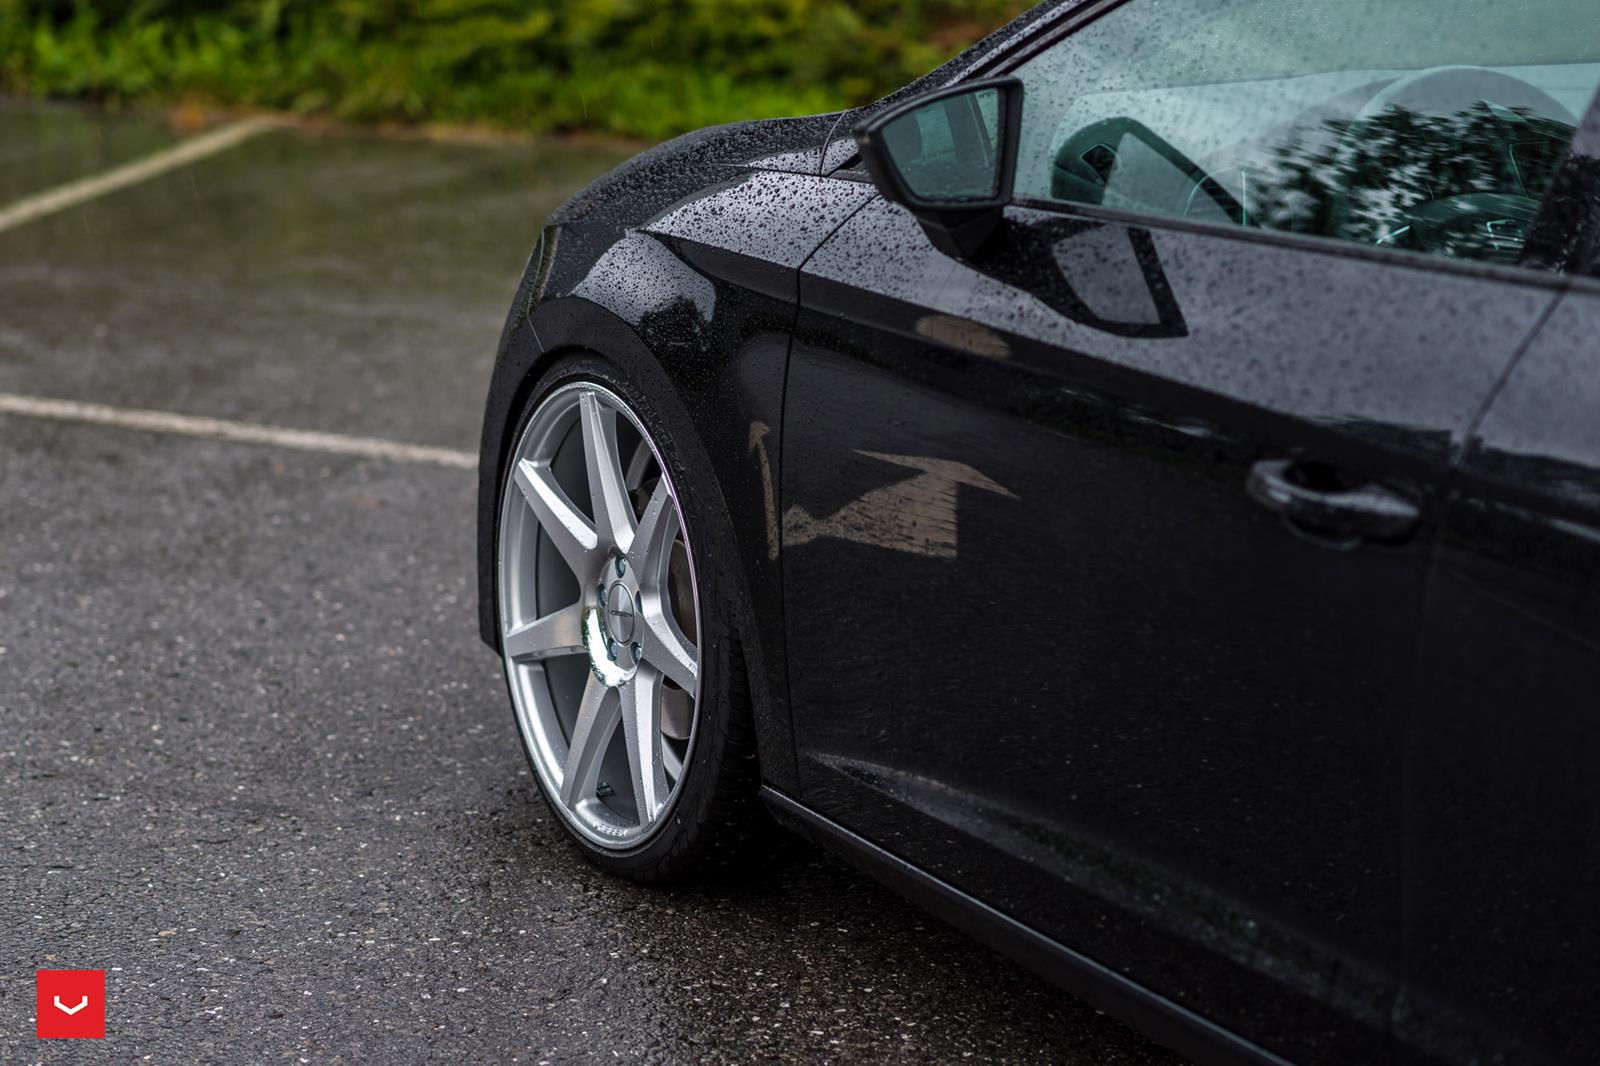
x: 630, y: 67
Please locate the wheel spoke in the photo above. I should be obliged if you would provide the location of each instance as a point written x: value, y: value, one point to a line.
x: 557, y: 633
x: 608, y: 492
x: 664, y: 645
x: 653, y: 540
x: 591, y: 735
x: 642, y: 735
x: 570, y: 532
x: 663, y: 642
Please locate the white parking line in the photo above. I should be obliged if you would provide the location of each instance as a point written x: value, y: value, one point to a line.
x: 240, y: 432
x: 76, y: 192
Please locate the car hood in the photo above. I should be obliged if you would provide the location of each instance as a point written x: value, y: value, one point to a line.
x: 659, y: 176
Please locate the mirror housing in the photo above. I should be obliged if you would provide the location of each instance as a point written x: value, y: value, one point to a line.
x: 950, y: 158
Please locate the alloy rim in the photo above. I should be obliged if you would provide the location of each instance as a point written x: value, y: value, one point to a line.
x: 599, y: 615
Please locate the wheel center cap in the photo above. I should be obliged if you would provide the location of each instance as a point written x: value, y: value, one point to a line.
x: 610, y: 626
x: 620, y: 617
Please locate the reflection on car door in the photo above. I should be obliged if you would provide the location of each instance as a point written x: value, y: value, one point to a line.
x: 1501, y: 927
x: 1047, y: 644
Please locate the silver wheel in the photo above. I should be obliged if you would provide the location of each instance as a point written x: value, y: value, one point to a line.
x: 599, y: 615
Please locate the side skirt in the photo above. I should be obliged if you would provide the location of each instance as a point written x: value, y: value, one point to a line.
x: 1172, y: 1024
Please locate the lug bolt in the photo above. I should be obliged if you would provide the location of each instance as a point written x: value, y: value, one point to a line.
x: 611, y: 649
x: 622, y: 566
x: 602, y: 595
x: 638, y: 653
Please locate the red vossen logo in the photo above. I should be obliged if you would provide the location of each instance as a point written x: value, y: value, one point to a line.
x: 70, y: 1003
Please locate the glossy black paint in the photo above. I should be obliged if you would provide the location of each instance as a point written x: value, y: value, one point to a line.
x: 1185, y: 1031
x: 1503, y: 810
x: 1196, y: 712
x: 1031, y: 632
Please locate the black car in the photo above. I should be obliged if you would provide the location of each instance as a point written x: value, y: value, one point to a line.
x: 1136, y: 490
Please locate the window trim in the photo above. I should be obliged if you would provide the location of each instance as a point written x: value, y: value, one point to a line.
x: 1076, y: 17
x: 1535, y: 277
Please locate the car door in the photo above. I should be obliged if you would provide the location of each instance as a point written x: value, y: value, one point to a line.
x: 1502, y: 933
x: 1105, y: 547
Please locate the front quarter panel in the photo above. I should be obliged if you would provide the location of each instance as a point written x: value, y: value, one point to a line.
x: 681, y: 268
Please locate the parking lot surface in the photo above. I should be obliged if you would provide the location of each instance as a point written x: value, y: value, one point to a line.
x: 256, y: 764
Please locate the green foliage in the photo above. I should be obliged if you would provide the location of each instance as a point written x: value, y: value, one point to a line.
x: 631, y: 67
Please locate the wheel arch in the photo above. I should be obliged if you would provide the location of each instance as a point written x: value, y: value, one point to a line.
x: 530, y: 344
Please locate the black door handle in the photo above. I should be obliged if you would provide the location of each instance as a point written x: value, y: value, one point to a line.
x: 1370, y: 511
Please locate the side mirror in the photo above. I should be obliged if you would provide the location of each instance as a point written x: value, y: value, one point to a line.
x: 949, y: 157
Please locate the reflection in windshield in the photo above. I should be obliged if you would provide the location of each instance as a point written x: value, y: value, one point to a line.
x: 1464, y: 185
x: 1417, y: 124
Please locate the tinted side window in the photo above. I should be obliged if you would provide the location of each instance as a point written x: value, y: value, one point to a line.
x: 1432, y: 125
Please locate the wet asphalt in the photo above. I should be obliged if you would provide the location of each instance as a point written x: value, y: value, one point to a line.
x: 254, y: 762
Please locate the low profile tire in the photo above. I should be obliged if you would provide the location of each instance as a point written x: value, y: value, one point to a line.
x: 616, y: 625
